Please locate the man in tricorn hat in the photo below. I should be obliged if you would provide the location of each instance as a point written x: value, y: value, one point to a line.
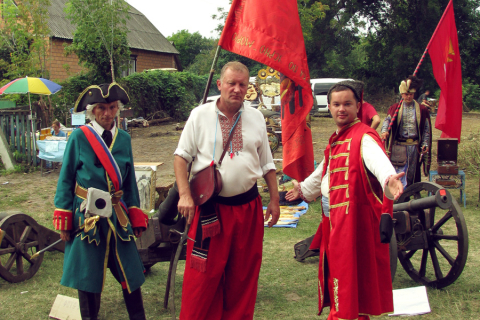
x: 97, y: 179
x: 357, y: 184
x: 409, y: 140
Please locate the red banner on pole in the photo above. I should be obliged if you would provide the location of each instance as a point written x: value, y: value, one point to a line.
x: 270, y: 32
x: 447, y: 69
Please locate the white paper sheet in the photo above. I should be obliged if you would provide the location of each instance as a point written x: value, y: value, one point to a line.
x: 410, y: 301
x: 65, y: 308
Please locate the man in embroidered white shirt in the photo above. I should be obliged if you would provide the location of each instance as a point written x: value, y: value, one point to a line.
x: 222, y: 268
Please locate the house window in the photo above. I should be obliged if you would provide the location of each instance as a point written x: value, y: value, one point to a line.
x: 130, y: 67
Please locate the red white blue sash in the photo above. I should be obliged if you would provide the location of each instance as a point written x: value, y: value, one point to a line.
x: 104, y: 155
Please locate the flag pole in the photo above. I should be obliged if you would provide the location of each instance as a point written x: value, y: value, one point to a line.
x: 439, y: 23
x: 210, y: 77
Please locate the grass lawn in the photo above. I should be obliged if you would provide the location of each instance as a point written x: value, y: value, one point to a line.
x: 287, y: 288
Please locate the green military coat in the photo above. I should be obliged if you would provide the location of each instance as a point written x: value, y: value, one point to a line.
x: 86, y: 255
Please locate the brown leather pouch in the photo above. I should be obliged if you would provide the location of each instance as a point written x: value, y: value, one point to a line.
x: 205, y: 184
x: 399, y: 155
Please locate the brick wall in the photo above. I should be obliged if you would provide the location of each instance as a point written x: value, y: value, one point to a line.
x: 153, y: 60
x: 57, y: 61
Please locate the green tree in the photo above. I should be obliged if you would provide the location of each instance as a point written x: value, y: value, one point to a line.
x: 190, y: 45
x: 401, y: 30
x: 24, y: 38
x: 100, y: 38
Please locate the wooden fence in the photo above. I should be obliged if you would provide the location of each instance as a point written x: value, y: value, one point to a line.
x: 17, y: 128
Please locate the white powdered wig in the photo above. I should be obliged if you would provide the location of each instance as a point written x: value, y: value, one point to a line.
x: 89, y: 114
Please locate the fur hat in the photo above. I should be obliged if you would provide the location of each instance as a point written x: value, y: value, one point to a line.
x: 104, y: 93
x: 410, y: 85
x: 355, y: 86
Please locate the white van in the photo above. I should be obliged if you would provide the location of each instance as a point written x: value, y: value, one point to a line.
x: 320, y: 89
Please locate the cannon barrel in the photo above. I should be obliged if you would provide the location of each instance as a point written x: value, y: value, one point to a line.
x: 441, y: 199
x: 167, y: 212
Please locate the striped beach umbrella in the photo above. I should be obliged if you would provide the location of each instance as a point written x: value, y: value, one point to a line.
x: 30, y: 85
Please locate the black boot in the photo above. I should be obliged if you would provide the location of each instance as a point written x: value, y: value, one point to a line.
x: 134, y: 302
x: 89, y: 304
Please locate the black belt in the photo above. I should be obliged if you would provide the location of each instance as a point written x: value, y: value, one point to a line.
x: 239, y: 199
x: 407, y: 140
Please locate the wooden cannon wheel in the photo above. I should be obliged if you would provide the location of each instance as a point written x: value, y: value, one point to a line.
x: 443, y: 258
x: 22, y: 239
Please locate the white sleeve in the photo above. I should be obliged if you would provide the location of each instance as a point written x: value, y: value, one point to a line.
x: 186, y: 145
x: 264, y: 152
x: 377, y: 162
x: 311, y: 186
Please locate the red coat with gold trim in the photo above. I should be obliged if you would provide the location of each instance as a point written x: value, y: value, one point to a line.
x: 350, y: 239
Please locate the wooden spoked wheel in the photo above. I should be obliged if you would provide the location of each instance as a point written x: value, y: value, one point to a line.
x: 445, y: 240
x: 21, y: 241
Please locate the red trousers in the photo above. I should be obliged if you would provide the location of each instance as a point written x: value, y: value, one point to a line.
x: 228, y: 289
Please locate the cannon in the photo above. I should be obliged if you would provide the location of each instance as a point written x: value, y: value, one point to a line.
x: 430, y: 236
x: 22, y: 239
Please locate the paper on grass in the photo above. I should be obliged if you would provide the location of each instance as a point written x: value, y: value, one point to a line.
x: 410, y: 301
x: 65, y: 308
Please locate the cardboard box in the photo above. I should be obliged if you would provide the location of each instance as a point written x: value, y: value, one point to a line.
x: 146, y: 177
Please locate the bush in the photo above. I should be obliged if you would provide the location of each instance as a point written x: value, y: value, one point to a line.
x: 471, y: 94
x: 153, y: 94
x: 160, y: 93
x: 65, y: 99
x: 469, y: 154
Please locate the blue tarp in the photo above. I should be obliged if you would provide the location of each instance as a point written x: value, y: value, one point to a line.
x: 291, y: 223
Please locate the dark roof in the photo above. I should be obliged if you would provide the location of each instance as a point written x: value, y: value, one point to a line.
x: 142, y: 33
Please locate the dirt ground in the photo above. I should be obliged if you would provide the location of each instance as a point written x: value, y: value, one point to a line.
x: 33, y: 193
x: 158, y: 143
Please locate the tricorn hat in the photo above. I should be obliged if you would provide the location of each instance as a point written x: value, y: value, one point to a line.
x: 410, y: 85
x: 355, y: 86
x: 104, y: 93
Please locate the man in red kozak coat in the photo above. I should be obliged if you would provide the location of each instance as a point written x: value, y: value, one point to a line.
x: 359, y: 183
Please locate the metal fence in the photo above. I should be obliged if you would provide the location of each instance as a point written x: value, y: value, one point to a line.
x: 17, y: 127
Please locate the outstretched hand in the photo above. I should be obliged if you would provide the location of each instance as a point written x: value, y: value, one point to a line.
x: 395, y: 185
x: 293, y: 194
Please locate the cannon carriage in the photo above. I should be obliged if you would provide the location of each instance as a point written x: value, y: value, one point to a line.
x: 430, y: 236
x: 24, y: 240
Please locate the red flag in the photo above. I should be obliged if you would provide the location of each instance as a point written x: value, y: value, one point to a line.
x: 447, y: 69
x: 270, y: 32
